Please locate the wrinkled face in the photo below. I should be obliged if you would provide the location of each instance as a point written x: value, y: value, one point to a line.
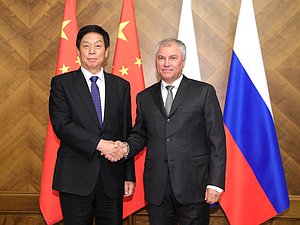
x: 92, y: 52
x: 169, y: 62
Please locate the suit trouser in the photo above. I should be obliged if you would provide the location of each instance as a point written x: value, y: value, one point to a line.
x: 79, y: 210
x: 170, y: 212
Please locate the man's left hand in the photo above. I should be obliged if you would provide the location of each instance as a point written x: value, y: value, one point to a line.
x: 128, y: 188
x: 212, y: 196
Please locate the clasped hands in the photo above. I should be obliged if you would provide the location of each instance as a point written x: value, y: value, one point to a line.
x: 112, y: 150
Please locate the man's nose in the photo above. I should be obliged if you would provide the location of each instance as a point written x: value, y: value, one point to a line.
x: 167, y: 63
x: 92, y: 50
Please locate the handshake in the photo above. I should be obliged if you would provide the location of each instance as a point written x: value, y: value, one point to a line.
x: 113, y: 150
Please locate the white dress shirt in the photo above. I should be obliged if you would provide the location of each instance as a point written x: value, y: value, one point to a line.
x: 100, y: 83
x: 164, y: 91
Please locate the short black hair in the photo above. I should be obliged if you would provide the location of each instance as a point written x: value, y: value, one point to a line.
x: 92, y: 28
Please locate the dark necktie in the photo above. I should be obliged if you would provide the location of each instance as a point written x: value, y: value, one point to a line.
x: 169, y: 99
x: 96, y: 97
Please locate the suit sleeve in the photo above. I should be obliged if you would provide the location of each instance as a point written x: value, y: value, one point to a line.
x: 67, y: 131
x: 215, y: 138
x: 130, y: 168
x: 137, y: 140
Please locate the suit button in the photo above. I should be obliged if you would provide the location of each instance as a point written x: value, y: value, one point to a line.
x: 168, y: 120
x: 168, y: 139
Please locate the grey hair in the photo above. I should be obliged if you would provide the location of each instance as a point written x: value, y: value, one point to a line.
x: 166, y: 42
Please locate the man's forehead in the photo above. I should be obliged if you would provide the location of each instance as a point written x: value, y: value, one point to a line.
x: 88, y: 40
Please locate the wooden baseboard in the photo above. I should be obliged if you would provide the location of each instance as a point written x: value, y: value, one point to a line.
x: 12, y: 202
x: 28, y: 203
x: 292, y: 213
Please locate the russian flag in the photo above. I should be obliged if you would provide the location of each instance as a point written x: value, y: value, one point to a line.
x: 255, y: 188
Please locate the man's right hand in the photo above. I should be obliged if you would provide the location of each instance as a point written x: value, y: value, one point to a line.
x: 113, y: 151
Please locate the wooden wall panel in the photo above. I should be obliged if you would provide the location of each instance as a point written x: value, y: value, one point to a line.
x: 29, y: 38
x: 14, y: 90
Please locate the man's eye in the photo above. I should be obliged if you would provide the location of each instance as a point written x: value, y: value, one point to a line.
x: 173, y: 58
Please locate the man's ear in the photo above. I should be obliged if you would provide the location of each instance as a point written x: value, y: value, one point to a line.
x: 106, y: 52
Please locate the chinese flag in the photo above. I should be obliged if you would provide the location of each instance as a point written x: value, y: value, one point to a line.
x: 127, y: 64
x: 67, y: 61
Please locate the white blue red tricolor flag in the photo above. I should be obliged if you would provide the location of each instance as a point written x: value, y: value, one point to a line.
x: 255, y: 189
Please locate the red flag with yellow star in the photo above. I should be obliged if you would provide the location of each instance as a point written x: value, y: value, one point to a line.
x: 127, y: 64
x: 67, y: 60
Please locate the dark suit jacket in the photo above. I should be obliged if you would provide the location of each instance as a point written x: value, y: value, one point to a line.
x: 188, y: 145
x: 75, y: 122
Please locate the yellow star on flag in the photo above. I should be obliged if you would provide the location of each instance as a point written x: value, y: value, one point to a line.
x: 124, y: 71
x: 121, y: 35
x: 78, y: 61
x: 64, y: 69
x: 63, y: 34
x: 138, y: 62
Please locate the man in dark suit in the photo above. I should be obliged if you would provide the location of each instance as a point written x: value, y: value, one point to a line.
x: 185, y: 159
x: 88, y: 183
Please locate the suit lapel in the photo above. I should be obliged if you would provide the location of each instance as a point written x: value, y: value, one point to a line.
x: 182, y: 92
x: 109, y: 96
x: 156, y: 94
x: 83, y: 90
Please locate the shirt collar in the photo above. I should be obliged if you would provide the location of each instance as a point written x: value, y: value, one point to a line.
x: 87, y: 74
x: 176, y: 83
